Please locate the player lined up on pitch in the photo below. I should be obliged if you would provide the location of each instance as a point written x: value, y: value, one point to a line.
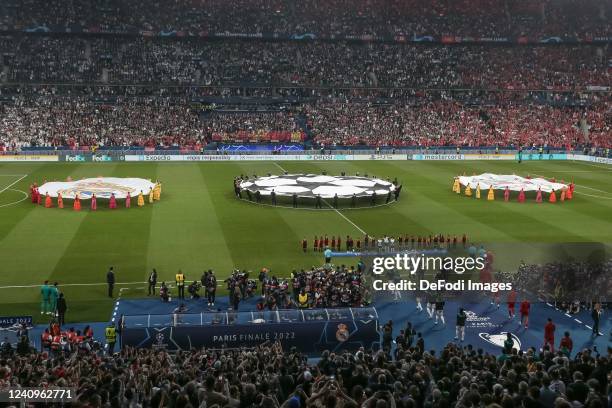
x: 385, y: 243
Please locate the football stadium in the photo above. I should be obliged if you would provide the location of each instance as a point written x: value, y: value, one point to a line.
x: 291, y: 204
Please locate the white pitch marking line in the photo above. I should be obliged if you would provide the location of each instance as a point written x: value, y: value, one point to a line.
x: 343, y: 216
x: 25, y: 197
x: 592, y: 195
x: 579, y: 321
x: 71, y: 284
x: 13, y: 183
x: 588, y: 327
x: 280, y: 167
x: 593, y: 165
x: 581, y: 186
x: 12, y: 175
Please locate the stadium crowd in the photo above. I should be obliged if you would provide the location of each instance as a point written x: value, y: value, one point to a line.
x: 284, y: 63
x: 155, y: 122
x: 269, y: 376
x: 488, y: 18
x: 452, y: 124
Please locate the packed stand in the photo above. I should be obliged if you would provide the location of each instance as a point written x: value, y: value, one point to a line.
x: 269, y: 376
x: 443, y: 123
x: 375, y: 18
x: 253, y: 126
x: 301, y: 64
x: 79, y: 122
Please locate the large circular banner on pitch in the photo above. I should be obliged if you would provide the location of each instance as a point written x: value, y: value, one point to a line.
x: 311, y: 185
x: 102, y: 187
x: 511, y: 181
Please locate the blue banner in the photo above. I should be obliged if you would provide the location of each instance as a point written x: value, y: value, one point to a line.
x: 307, y: 337
x: 8, y: 321
x: 544, y: 156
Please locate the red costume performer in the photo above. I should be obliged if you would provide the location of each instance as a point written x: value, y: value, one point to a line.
x: 112, y: 203
x: 507, y: 194
x: 539, y: 195
x: 128, y: 200
x: 76, y: 205
x: 94, y: 203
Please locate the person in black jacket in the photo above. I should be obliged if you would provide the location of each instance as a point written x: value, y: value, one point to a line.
x: 152, y: 282
x: 595, y: 314
x: 61, y: 309
x: 110, y: 280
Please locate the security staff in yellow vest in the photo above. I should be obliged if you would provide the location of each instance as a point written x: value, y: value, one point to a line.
x: 180, y: 284
x: 111, y: 337
x: 303, y: 299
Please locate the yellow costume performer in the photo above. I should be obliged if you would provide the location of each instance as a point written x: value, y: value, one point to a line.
x: 468, y: 190
x: 491, y: 194
x: 456, y: 186
x: 478, y: 191
x: 140, y: 200
x: 157, y: 191
x: 151, y: 196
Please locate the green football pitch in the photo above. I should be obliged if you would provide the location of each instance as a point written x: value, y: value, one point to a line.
x: 198, y: 224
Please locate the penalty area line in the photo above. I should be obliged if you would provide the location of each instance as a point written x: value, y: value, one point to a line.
x: 13, y: 183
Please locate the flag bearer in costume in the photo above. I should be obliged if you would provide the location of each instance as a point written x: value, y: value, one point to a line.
x: 157, y: 191
x: 128, y: 200
x: 38, y: 197
x: 151, y: 196
x: 76, y: 205
x: 553, y: 197
x: 507, y: 194
x: 570, y: 192
x: 48, y: 202
x: 490, y: 194
x: 521, y: 196
x: 32, y: 194
x: 60, y: 200
x: 140, y: 201
x: 112, y: 203
x: 94, y: 202
x: 562, y: 198
x: 478, y: 191
x: 468, y: 191
x: 539, y: 195
x: 456, y: 186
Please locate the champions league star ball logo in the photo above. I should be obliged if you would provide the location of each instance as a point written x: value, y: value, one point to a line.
x: 499, y: 339
x: 342, y: 334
